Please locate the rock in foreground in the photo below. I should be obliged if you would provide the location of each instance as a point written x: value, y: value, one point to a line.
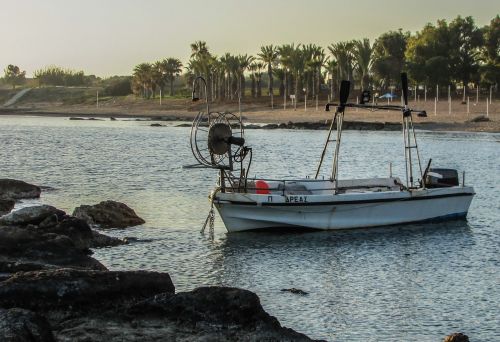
x: 108, y: 214
x: 27, y: 249
x: 65, y: 288
x: 6, y: 205
x: 31, y: 215
x: 16, y: 189
x: 456, y: 337
x: 44, y: 237
x: 18, y: 325
x: 132, y: 306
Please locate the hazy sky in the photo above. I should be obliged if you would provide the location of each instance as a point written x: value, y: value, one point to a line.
x: 109, y: 37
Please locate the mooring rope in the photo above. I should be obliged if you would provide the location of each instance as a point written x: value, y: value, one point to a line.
x: 211, y: 216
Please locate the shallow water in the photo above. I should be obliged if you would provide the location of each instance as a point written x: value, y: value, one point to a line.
x: 413, y: 282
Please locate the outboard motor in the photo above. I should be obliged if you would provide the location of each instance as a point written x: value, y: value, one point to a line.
x: 441, y: 178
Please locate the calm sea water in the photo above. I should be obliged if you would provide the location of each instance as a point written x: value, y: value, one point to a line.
x: 403, y: 283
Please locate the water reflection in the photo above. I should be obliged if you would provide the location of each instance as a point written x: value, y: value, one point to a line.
x: 351, y: 276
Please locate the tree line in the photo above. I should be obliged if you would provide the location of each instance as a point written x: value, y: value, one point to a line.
x: 457, y: 53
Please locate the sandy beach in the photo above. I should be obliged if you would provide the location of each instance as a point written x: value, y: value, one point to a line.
x: 439, y: 118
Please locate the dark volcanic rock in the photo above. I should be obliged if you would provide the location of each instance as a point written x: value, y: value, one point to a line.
x: 78, y: 231
x: 30, y: 215
x: 16, y: 189
x: 64, y: 288
x: 131, y: 306
x: 156, y: 125
x: 101, y: 240
x: 479, y: 118
x: 108, y: 214
x: 295, y: 291
x: 44, y: 237
x: 456, y: 337
x: 19, y: 325
x: 27, y: 248
x: 6, y: 205
x: 223, y: 305
x: 205, y: 314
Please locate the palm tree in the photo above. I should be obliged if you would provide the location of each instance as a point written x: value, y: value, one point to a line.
x: 157, y: 77
x: 269, y: 56
x: 342, y: 53
x: 171, y: 68
x: 314, y: 58
x: 143, y: 79
x: 297, y: 63
x: 319, y: 61
x: 199, y: 48
x: 201, y: 62
x: 362, y: 54
x: 280, y: 74
x: 258, y: 77
x: 331, y: 66
x: 285, y: 54
x: 244, y: 62
x: 253, y: 68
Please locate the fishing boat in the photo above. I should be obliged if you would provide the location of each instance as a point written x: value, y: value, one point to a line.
x: 244, y: 203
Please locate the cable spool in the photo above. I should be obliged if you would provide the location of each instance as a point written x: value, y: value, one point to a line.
x: 216, y: 138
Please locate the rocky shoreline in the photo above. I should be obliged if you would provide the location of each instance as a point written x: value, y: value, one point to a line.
x: 478, y: 123
x: 51, y: 289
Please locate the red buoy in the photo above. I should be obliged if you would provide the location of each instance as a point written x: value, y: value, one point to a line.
x: 262, y: 187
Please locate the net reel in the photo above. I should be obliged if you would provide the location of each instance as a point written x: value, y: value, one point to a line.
x: 217, y: 138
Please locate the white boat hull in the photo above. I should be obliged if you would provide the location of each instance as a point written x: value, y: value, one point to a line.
x: 241, y: 212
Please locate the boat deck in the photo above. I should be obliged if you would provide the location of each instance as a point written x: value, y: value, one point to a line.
x: 314, y: 186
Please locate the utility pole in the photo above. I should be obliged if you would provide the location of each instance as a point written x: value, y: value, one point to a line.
x: 97, y: 100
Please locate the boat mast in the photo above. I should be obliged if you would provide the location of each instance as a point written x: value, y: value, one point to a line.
x: 338, y: 119
x: 408, y: 133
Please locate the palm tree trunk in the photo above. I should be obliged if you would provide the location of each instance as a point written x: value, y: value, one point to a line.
x: 270, y: 74
x: 259, y: 86
x: 171, y: 87
x: 253, y: 86
x: 318, y: 81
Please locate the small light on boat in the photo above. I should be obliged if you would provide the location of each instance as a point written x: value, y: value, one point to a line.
x: 261, y: 187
